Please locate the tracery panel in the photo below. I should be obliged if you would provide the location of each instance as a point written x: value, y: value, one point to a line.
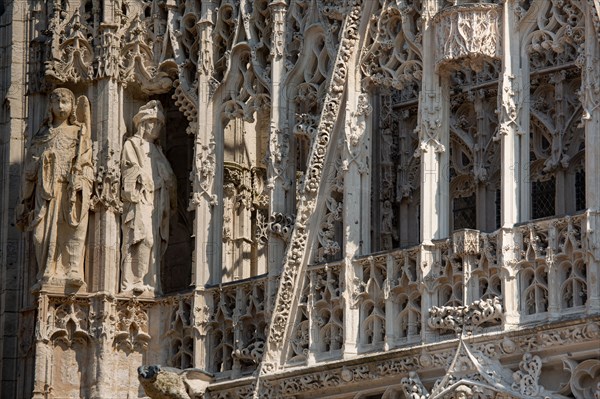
x: 553, y: 275
x: 392, y: 64
x: 406, y: 298
x: 327, y: 311
x: 237, y: 328
x: 371, y: 301
x: 474, y: 170
x: 244, y: 104
x: 557, y: 145
x: 319, y: 328
x: 181, y: 335
x: 396, y: 177
x: 448, y: 283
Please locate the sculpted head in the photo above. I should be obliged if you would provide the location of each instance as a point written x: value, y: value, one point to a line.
x: 149, y: 120
x: 148, y: 373
x: 61, y: 106
x: 463, y: 392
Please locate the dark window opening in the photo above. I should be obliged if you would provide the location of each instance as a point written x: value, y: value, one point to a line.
x: 542, y: 198
x: 580, y: 190
x: 498, y: 204
x: 464, y: 213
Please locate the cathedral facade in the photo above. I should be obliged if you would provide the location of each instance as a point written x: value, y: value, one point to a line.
x: 366, y: 199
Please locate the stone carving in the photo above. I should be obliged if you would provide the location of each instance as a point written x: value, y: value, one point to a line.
x: 461, y: 318
x: 472, y: 372
x: 405, y: 364
x: 357, y: 324
x: 393, y: 57
x: 131, y: 327
x: 149, y: 199
x: 467, y: 33
x: 281, y: 225
x: 57, y: 188
x: 72, y: 53
x: 326, y: 309
x: 413, y: 387
x: 68, y: 321
x: 557, y: 39
x: 170, y: 383
x: 585, y: 377
x: 370, y: 296
x: 237, y: 324
x: 526, y: 378
x: 162, y: 383
x: 293, y: 261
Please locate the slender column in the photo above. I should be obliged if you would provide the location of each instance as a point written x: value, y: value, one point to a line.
x: 391, y: 306
x: 108, y: 127
x: 205, y: 268
x: 511, y: 130
x: 277, y: 168
x: 479, y: 154
x: 426, y: 260
x: 514, y: 147
x: 357, y: 182
x: 433, y: 130
x: 466, y: 245
x: 204, y: 197
x: 433, y: 135
x: 591, y: 119
x: 103, y: 387
x: 510, y: 242
x: 16, y: 276
x: 553, y: 275
x: 43, y: 355
x: 107, y: 131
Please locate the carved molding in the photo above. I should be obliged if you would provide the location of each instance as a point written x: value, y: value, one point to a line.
x: 467, y: 34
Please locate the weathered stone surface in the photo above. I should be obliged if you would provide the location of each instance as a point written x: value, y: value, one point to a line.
x: 300, y: 199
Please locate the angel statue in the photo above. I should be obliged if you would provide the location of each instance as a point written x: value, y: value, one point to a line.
x: 57, y: 187
x: 149, y: 195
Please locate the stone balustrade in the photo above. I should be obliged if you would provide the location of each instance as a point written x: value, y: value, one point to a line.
x: 398, y: 294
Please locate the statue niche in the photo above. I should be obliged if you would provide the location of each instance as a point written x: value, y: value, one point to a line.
x: 56, y: 190
x: 149, y: 195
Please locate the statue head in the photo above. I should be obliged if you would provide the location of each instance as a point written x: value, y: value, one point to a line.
x: 463, y: 392
x: 61, y: 106
x: 148, y: 372
x: 149, y: 120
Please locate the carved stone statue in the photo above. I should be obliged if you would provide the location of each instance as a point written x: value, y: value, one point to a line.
x: 171, y: 383
x: 149, y: 199
x: 56, y: 191
x: 463, y: 392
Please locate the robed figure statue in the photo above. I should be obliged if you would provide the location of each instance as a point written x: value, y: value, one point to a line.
x: 149, y: 196
x: 57, y: 187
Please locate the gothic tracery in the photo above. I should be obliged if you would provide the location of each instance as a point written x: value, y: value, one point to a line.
x: 361, y: 199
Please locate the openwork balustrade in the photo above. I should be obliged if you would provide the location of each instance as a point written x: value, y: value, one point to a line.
x: 409, y: 296
x: 237, y: 327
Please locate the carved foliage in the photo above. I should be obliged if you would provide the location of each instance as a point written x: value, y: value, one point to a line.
x: 393, y: 56
x: 296, y: 250
x: 467, y: 33
x: 465, y: 318
x: 558, y: 35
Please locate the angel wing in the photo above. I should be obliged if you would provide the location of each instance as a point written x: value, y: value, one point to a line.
x: 83, y: 113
